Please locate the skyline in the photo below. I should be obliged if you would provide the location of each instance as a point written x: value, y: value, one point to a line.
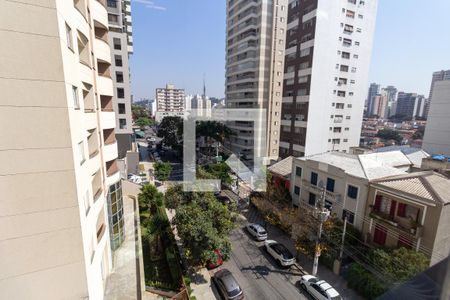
x: 188, y: 51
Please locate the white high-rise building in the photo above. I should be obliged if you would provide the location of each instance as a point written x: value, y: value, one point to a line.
x: 328, y: 53
x: 58, y: 150
x: 169, y: 102
x: 256, y: 34
x: 199, y: 102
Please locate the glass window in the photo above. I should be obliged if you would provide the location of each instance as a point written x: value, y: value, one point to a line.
x: 120, y: 93
x: 312, y: 199
x: 117, y: 45
x: 296, y: 190
x: 330, y: 184
x: 313, y: 178
x: 350, y: 216
x: 122, y: 123
x: 82, y: 156
x: 352, y: 192
x: 122, y: 108
x: 76, y: 100
x: 69, y: 37
x: 298, y: 171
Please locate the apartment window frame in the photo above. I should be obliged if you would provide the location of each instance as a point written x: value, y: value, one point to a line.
x: 122, y: 123
x: 298, y: 171
x: 121, y: 108
x: 296, y: 190
x: 117, y: 44
x: 75, y: 97
x: 352, y: 191
x: 314, y: 178
x: 120, y: 93
x: 81, y: 152
x: 312, y: 199
x: 69, y: 38
x: 331, y: 184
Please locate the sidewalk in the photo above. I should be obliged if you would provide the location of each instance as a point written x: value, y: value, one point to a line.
x: 201, y: 280
x: 306, y: 263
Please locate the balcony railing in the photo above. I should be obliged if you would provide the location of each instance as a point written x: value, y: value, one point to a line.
x: 407, y: 225
x: 314, y: 188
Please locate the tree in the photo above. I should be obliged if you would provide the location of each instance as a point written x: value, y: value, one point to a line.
x: 162, y: 170
x: 212, y: 131
x: 149, y: 198
x: 171, y: 131
x: 175, y: 196
x: 389, y: 134
x: 138, y: 112
x: 216, y: 171
x: 204, y: 225
x: 143, y: 121
x: 418, y: 135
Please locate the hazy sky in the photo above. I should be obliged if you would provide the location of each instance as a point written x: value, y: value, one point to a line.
x: 178, y: 41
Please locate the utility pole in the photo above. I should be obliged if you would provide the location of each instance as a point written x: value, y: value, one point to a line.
x: 322, y: 215
x: 343, y: 239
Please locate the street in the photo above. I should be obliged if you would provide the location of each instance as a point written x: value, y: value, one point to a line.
x: 256, y: 271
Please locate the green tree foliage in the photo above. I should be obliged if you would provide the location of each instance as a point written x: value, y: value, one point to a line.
x: 213, y: 130
x: 215, y: 171
x: 395, y: 266
x: 171, y: 131
x: 162, y: 170
x: 138, y: 112
x: 175, y: 196
x: 149, y: 198
x: 204, y: 225
x: 389, y: 134
x: 418, y: 135
x: 143, y: 121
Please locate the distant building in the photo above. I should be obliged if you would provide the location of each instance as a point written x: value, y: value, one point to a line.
x: 437, y: 76
x: 169, y: 102
x: 437, y: 131
x: 391, y: 94
x: 379, y: 106
x: 374, y: 90
x: 199, y: 102
x: 410, y: 105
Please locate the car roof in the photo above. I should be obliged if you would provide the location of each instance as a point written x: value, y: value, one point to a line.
x: 257, y: 227
x: 328, y: 288
x: 228, y: 280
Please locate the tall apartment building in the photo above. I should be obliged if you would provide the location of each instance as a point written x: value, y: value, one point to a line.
x: 58, y: 150
x: 199, y: 102
x: 120, y: 38
x: 329, y: 45
x: 436, y: 139
x: 410, y: 105
x: 379, y: 105
x: 256, y: 32
x: 437, y: 76
x: 391, y: 94
x: 374, y: 89
x: 169, y: 102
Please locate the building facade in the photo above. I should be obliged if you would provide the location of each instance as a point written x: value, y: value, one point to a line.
x: 411, y: 211
x: 120, y: 38
x: 437, y: 132
x: 169, y: 102
x: 379, y: 105
x: 391, y: 94
x: 256, y: 33
x: 328, y: 49
x: 199, y: 102
x: 374, y: 89
x: 438, y: 76
x: 57, y: 169
x: 410, y: 105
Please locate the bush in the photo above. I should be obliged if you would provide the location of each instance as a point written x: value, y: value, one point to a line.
x: 174, y: 265
x: 364, y: 282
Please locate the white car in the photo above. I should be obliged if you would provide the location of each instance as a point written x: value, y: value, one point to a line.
x: 319, y: 289
x: 257, y: 231
x: 280, y: 253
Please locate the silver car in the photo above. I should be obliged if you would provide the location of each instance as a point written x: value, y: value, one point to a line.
x: 257, y: 231
x: 227, y: 285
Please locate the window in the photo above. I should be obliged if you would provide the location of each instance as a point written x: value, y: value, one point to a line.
x: 119, y: 77
x: 302, y: 92
x: 312, y: 199
x: 76, y: 101
x: 330, y: 184
x: 355, y: 56
x: 303, y: 65
x: 337, y: 129
x: 120, y: 93
x: 122, y: 123
x: 113, y: 18
x: 350, y: 216
x: 81, y: 154
x: 348, y: 28
x: 344, y: 68
x: 305, y: 52
x: 296, y: 190
x: 356, y: 43
x: 352, y: 1
x: 352, y: 192
x: 290, y: 69
x: 350, y: 14
x: 69, y: 37
x: 289, y: 81
x: 336, y: 141
x: 345, y: 55
x: 298, y: 171
x: 360, y: 16
x: 112, y: 3
x: 118, y: 60
x: 341, y: 93
x: 117, y: 45
x: 353, y: 70
x: 313, y: 178
x: 303, y: 79
x: 347, y: 42
x: 121, y: 108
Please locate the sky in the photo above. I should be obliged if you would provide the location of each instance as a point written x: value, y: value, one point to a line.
x: 180, y: 41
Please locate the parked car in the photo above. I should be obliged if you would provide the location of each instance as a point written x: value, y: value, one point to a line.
x: 218, y: 261
x: 280, y: 253
x: 227, y: 285
x: 257, y: 231
x: 319, y: 289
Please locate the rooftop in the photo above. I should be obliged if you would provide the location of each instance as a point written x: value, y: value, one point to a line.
x: 283, y: 167
x: 428, y: 185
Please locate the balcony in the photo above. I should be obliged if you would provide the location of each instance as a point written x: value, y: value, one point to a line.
x: 99, y: 13
x: 105, y: 86
x: 111, y: 168
x: 106, y: 103
x: 101, y: 46
x: 317, y: 190
x: 110, y: 151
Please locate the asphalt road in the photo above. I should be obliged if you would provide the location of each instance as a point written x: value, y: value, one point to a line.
x: 257, y: 273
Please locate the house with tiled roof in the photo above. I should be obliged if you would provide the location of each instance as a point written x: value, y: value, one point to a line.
x: 410, y: 210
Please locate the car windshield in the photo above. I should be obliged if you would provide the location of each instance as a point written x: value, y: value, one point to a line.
x: 313, y: 279
x: 234, y: 292
x: 262, y: 232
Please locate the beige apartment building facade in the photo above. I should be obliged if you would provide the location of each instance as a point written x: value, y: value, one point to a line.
x: 256, y: 33
x: 58, y: 150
